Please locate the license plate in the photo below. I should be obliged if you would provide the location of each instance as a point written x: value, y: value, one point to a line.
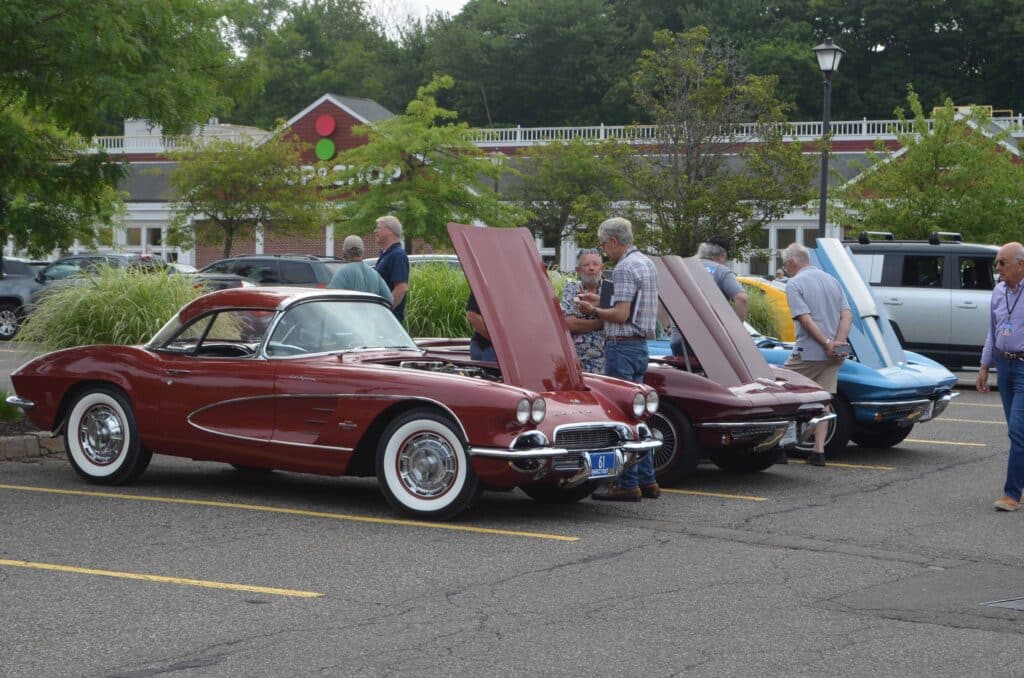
x: 602, y: 464
x: 789, y: 438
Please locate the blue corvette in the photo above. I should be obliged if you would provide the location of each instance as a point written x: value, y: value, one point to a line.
x: 883, y: 390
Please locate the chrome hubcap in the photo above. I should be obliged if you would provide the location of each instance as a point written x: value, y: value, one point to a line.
x: 101, y: 435
x: 8, y: 323
x: 427, y: 465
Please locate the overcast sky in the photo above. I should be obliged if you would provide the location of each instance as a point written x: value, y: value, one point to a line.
x: 424, y: 7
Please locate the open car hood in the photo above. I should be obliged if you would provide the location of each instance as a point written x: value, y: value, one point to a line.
x: 518, y: 304
x: 709, y: 324
x: 871, y: 336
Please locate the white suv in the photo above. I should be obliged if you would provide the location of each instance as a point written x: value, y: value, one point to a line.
x: 937, y: 291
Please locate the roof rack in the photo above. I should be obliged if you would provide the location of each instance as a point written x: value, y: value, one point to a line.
x: 936, y: 237
x: 865, y: 237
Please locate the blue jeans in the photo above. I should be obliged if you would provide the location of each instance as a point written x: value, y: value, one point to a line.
x: 484, y: 354
x: 628, y: 360
x: 1010, y: 378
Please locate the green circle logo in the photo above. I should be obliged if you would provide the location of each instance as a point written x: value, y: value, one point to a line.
x: 325, y: 149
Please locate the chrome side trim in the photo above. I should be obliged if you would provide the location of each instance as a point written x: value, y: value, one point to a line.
x: 744, y: 424
x: 18, y: 401
x: 892, y: 403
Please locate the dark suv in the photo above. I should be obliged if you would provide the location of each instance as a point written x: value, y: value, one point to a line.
x: 297, y: 270
x: 937, y: 291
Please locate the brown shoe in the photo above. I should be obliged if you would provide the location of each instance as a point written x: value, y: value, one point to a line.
x: 1006, y: 504
x: 616, y: 493
x: 651, y: 491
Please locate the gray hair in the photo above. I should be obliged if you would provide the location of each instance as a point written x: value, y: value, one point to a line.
x: 392, y: 224
x: 796, y: 253
x: 709, y: 250
x: 585, y: 251
x: 617, y: 228
x: 353, y: 246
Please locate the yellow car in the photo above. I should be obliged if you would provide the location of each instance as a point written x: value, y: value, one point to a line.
x: 776, y: 297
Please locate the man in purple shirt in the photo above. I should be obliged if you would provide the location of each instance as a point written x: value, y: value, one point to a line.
x: 1004, y: 350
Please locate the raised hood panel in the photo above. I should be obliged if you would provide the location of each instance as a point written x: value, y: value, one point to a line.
x: 710, y: 325
x: 518, y: 304
x: 872, y: 336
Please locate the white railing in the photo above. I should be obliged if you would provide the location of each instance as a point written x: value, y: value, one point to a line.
x: 511, y: 137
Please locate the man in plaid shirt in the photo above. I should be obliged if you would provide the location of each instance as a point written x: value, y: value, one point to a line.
x: 627, y: 325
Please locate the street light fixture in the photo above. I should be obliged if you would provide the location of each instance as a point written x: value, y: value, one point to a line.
x: 829, y: 54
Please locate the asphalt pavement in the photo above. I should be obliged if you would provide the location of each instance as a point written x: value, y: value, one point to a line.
x: 884, y: 562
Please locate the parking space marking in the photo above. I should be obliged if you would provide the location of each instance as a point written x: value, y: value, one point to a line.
x: 297, y: 512
x: 160, y: 579
x: 837, y: 464
x: 945, y: 442
x: 959, y: 404
x: 720, y: 495
x: 970, y: 421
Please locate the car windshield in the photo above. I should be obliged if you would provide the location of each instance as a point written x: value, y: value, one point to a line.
x: 323, y: 325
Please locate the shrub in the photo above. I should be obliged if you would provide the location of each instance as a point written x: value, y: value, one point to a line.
x: 437, y: 302
x: 760, y: 313
x: 112, y: 307
x: 9, y: 412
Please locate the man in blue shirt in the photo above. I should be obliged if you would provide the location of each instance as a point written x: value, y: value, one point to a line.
x: 393, y: 263
x: 1004, y: 350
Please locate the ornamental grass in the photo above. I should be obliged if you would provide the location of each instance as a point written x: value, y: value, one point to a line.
x: 114, y: 306
x: 760, y: 314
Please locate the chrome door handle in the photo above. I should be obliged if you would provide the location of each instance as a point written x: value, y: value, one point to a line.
x: 176, y: 373
x: 893, y: 302
x: 967, y: 304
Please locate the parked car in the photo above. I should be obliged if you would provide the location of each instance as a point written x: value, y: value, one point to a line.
x: 16, y: 288
x: 300, y: 270
x: 937, y: 292
x: 884, y: 391
x: 450, y: 260
x: 775, y: 294
x: 328, y: 382
x: 75, y: 268
x: 721, y: 400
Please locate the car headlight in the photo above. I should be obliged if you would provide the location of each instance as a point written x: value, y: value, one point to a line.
x: 538, y: 410
x: 652, y: 402
x: 639, y: 405
x: 523, y: 411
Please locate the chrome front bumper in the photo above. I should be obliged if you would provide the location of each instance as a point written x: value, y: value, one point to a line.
x: 908, y: 411
x: 18, y: 401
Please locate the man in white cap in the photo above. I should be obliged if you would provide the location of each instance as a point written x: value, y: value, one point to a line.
x: 355, y: 275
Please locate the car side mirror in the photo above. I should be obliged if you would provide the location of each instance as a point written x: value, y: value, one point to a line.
x: 40, y: 278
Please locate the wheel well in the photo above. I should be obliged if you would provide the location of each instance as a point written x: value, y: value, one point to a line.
x: 13, y: 301
x: 72, y: 395
x: 364, y: 459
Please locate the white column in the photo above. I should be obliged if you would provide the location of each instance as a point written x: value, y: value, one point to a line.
x: 259, y: 239
x: 329, y: 240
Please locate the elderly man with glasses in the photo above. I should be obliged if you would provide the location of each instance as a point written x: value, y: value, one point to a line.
x: 1004, y: 350
x: 628, y: 322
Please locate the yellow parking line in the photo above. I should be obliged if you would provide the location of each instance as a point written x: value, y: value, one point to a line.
x: 959, y: 404
x: 297, y: 512
x: 945, y: 442
x: 716, y: 494
x: 869, y: 467
x: 970, y: 421
x: 160, y: 579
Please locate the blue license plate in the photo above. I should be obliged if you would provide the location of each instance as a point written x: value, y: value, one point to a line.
x: 602, y: 464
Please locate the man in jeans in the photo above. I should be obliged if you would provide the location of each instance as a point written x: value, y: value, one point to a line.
x: 627, y: 324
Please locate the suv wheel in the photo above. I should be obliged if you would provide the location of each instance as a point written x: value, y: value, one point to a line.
x: 10, y: 321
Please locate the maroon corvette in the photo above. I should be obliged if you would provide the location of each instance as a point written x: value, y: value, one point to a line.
x: 721, y: 400
x: 328, y: 382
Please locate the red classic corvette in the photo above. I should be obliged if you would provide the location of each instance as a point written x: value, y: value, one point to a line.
x: 721, y: 400
x: 328, y: 382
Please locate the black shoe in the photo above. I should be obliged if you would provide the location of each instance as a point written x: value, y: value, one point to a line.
x: 816, y: 459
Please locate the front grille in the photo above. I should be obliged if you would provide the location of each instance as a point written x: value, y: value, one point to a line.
x: 570, y: 462
x: 589, y: 439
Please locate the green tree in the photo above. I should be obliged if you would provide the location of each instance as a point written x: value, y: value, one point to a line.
x: 569, y: 189
x: 422, y: 168
x: 701, y: 175
x: 225, y: 189
x: 947, y: 176
x: 72, y: 68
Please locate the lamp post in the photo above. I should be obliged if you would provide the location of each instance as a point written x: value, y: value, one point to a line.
x: 829, y: 55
